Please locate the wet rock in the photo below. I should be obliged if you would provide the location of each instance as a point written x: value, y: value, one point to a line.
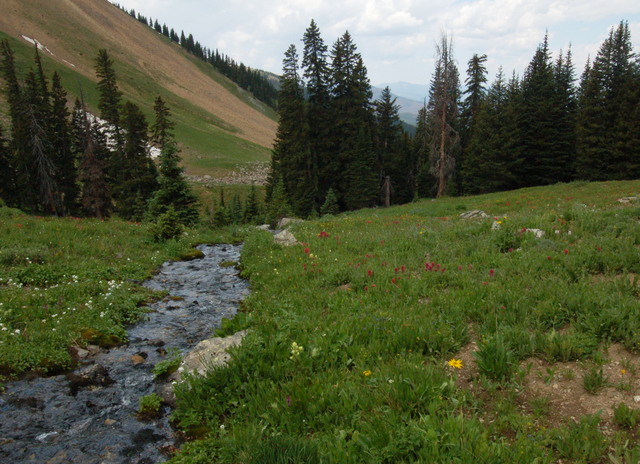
x: 210, y: 353
x: 285, y: 238
x: 165, y: 391
x: 137, y: 359
x: 474, y: 214
x: 155, y: 342
x: 47, y: 437
x: 78, y: 353
x: 91, y: 376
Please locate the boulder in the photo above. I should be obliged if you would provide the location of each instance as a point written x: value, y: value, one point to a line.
x: 626, y: 200
x: 95, y: 375
x: 210, y: 353
x: 284, y: 222
x: 263, y: 227
x: 474, y: 214
x: 285, y: 238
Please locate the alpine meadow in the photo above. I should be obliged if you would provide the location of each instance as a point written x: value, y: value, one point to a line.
x: 462, y: 289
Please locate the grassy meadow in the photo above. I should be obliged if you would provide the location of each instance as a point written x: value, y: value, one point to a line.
x: 395, y: 335
x: 409, y: 334
x: 71, y: 281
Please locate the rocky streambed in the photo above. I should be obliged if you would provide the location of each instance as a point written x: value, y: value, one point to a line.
x: 89, y: 415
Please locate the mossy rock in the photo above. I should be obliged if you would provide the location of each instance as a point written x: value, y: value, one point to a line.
x: 103, y: 340
x: 192, y: 254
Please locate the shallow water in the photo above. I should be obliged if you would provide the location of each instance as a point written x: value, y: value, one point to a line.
x: 50, y: 420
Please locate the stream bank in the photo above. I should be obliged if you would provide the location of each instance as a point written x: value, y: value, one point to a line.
x: 89, y: 415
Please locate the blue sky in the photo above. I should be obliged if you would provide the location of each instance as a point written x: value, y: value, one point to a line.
x: 397, y: 37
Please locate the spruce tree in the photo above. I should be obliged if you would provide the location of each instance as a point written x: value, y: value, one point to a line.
x: 138, y: 179
x: 162, y: 128
x: 63, y: 155
x: 354, y: 175
x: 251, y: 212
x: 109, y: 103
x: 425, y: 182
x: 389, y: 147
x: 607, y: 140
x: 6, y: 171
x: 292, y: 160
x: 316, y: 73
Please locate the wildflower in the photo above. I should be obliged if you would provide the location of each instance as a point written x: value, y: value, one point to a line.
x: 369, y: 272
x: 306, y: 250
x: 366, y: 373
x: 323, y: 234
x: 566, y: 251
x: 623, y: 371
x: 455, y: 363
x: 491, y: 272
x: 296, y: 350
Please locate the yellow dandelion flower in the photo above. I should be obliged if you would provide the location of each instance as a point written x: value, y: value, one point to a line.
x: 623, y: 371
x: 455, y: 363
x: 366, y: 373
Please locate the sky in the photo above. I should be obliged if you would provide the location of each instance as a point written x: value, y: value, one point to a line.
x: 397, y: 37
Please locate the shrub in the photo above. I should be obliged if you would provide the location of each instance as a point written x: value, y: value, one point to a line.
x: 167, y: 227
x: 150, y: 407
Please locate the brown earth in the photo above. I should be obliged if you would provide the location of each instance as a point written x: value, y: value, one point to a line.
x: 63, y: 25
x: 560, y: 385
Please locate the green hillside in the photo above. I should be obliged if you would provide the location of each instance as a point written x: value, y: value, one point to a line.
x: 213, y: 140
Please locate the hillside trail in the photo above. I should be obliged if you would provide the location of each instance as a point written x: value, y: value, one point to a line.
x: 89, y: 416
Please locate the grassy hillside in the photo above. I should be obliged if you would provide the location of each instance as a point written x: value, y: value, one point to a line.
x: 410, y: 334
x: 219, y: 126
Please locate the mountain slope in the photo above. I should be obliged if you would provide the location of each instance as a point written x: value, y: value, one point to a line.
x: 218, y: 124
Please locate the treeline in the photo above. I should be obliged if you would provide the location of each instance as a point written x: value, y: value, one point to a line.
x: 247, y: 78
x: 334, y: 146
x: 64, y: 162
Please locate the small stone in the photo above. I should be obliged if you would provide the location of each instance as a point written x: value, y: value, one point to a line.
x: 495, y: 225
x: 538, y: 233
x: 474, y: 214
x: 47, y: 437
x: 636, y: 399
x: 263, y: 227
x: 155, y: 342
x: 137, y: 359
x: 109, y: 422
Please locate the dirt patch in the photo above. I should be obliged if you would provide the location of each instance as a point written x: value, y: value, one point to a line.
x: 562, y: 385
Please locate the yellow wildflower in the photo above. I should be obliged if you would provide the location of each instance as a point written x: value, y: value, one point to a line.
x: 366, y: 373
x: 455, y: 363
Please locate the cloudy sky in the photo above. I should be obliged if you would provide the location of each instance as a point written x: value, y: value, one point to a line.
x: 397, y: 37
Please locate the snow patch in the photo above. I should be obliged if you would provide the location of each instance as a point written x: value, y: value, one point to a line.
x: 38, y: 44
x: 107, y: 129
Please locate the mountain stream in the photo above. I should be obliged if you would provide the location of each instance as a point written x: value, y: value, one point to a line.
x: 64, y: 419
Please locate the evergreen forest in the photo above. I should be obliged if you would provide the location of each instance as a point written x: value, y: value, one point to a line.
x: 68, y: 162
x: 337, y: 150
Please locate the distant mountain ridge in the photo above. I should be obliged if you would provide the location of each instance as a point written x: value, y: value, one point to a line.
x: 408, y: 96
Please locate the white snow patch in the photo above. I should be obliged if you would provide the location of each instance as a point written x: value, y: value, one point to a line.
x: 38, y: 44
x: 70, y: 64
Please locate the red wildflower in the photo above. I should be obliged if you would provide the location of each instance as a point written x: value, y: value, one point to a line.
x: 306, y: 250
x: 369, y: 272
x: 323, y: 234
x: 566, y: 251
x: 491, y: 272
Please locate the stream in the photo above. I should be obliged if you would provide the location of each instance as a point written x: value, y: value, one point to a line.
x: 65, y: 419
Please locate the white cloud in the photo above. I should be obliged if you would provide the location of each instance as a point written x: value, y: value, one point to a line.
x: 397, y: 37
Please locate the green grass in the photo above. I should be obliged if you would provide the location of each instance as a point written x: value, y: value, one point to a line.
x: 208, y: 143
x: 351, y: 332
x: 74, y: 281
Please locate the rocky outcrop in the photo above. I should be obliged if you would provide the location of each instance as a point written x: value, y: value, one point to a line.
x: 285, y: 238
x: 285, y: 222
x: 210, y: 353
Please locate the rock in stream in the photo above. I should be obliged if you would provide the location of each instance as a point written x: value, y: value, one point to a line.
x: 89, y: 416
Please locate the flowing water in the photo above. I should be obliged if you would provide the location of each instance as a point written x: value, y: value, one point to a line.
x: 89, y: 416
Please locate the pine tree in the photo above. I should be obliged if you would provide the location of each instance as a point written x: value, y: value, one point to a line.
x: 330, y: 205
x: 292, y: 160
x: 63, y: 155
x: 6, y: 171
x: 443, y: 116
x: 95, y: 194
x: 278, y: 207
x: 138, y: 179
x: 22, y: 193
x: 424, y: 182
x: 173, y: 190
x: 539, y: 118
x: 354, y: 175
x: 109, y: 102
x: 316, y: 74
x: 607, y: 140
x: 251, y: 212
x: 389, y: 146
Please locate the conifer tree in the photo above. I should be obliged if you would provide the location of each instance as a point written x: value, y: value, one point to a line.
x: 6, y: 171
x: 137, y: 181
x: 353, y: 168
x: 251, y: 212
x: 425, y: 182
x: 389, y: 147
x: 607, y: 129
x: 279, y: 206
x: 443, y: 116
x: 316, y: 74
x: 95, y: 194
x: 330, y: 205
x: 109, y: 103
x: 292, y: 160
x: 63, y: 154
x: 173, y: 190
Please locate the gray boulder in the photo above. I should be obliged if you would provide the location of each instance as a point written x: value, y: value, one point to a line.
x: 285, y: 238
